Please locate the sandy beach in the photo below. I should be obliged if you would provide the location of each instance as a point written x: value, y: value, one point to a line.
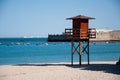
x: 61, y: 71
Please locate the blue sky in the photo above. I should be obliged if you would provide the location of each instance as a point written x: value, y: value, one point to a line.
x: 20, y: 18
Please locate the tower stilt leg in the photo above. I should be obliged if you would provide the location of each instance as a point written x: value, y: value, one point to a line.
x: 72, y: 53
x: 80, y: 59
x: 80, y: 51
x: 88, y: 53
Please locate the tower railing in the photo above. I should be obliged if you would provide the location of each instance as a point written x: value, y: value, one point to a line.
x: 81, y: 33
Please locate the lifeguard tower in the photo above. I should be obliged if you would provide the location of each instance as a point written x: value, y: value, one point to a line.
x: 80, y: 34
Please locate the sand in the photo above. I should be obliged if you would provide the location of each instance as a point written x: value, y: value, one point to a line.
x: 61, y: 71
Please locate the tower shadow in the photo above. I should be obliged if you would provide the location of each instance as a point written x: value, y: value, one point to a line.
x: 107, y: 68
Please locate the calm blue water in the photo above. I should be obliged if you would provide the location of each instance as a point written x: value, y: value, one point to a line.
x: 38, y: 50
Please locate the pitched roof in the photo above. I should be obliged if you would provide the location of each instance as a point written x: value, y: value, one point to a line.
x: 80, y: 17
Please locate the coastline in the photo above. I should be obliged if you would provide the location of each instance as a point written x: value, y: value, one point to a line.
x: 106, y: 70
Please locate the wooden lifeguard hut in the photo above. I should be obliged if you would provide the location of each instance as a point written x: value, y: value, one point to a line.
x: 80, y: 34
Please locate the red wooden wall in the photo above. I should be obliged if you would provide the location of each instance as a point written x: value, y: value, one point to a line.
x: 80, y: 28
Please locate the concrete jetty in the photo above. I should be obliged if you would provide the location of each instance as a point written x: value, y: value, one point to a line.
x: 101, y: 36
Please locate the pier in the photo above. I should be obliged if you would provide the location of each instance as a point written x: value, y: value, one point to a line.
x: 101, y: 36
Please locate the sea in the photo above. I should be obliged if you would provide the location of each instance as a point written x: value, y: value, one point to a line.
x: 38, y: 50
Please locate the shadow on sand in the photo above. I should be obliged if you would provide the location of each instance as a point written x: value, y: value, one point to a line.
x: 107, y: 68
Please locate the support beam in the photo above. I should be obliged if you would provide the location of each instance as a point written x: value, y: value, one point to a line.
x: 72, y: 53
x: 80, y: 52
x: 80, y: 48
x: 88, y: 53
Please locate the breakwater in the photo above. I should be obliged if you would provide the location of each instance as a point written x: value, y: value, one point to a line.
x: 101, y: 36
